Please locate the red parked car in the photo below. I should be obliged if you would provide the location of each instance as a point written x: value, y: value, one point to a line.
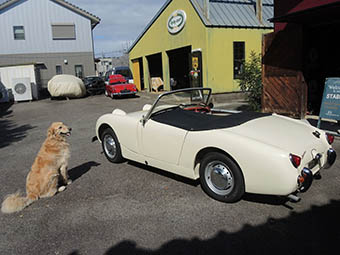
x: 118, y: 86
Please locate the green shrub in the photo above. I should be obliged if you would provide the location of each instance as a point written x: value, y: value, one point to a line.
x: 251, y: 81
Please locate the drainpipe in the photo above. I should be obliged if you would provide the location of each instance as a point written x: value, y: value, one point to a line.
x: 259, y: 10
x: 206, y: 7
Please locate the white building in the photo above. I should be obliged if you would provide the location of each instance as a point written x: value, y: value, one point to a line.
x: 53, y: 33
x: 103, y: 65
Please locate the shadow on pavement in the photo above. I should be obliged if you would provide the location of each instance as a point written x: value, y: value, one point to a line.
x: 10, y: 132
x: 80, y: 170
x: 325, y: 125
x: 165, y: 173
x: 315, y: 231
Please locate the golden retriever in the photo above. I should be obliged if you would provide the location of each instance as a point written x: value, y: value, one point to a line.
x: 50, y: 163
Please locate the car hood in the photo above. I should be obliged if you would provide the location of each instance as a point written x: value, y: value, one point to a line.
x: 294, y: 136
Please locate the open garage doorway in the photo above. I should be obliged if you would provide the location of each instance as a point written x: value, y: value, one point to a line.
x: 156, y: 72
x: 321, y: 57
x: 138, y: 73
x: 179, y: 67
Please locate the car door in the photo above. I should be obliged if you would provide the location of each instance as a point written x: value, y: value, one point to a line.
x: 161, y: 142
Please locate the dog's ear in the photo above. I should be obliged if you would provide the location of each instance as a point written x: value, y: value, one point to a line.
x: 51, y: 130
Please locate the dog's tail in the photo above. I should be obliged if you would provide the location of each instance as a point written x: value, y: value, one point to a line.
x: 15, y: 203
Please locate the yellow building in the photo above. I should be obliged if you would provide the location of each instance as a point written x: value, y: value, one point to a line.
x: 192, y: 43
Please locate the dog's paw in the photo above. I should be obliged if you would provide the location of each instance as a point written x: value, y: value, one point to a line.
x: 61, y: 188
x: 69, y: 182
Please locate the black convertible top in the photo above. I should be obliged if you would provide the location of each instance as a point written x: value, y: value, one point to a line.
x: 196, y: 121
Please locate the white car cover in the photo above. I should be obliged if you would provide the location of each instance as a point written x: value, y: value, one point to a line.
x: 64, y: 85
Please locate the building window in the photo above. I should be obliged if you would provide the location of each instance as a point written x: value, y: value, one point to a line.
x: 63, y: 32
x: 239, y: 57
x: 79, y: 71
x: 58, y: 69
x: 19, y: 33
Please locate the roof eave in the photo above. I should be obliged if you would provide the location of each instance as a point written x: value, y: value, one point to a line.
x: 94, y: 19
x: 7, y: 4
x: 149, y: 25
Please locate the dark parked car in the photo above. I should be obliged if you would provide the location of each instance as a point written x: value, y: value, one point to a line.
x: 94, y: 85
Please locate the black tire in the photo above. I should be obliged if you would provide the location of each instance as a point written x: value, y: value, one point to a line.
x: 221, y: 178
x: 111, y: 146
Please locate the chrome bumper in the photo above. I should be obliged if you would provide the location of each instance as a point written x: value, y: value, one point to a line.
x: 306, y: 177
x: 331, y: 157
x: 125, y: 93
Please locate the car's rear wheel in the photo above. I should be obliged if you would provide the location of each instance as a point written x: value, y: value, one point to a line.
x: 221, y: 178
x: 111, y: 146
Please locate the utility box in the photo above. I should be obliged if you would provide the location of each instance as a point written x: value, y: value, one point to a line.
x: 26, y: 75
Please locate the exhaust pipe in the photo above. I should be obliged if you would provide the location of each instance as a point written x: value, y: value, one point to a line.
x: 294, y: 198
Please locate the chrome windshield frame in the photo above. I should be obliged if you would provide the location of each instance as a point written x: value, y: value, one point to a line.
x: 148, y: 115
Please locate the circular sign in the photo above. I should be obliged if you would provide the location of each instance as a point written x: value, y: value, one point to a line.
x: 176, y: 21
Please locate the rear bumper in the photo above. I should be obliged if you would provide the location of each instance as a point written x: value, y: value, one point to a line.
x: 331, y: 157
x: 124, y: 93
x: 306, y: 177
x: 95, y: 90
x: 305, y: 180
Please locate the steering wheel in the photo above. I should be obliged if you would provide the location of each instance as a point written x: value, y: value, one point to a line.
x: 203, y: 109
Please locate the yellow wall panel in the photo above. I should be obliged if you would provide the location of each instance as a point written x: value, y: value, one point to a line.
x: 215, y: 43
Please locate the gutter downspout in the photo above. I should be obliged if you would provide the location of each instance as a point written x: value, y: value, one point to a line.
x: 259, y: 10
x: 206, y: 9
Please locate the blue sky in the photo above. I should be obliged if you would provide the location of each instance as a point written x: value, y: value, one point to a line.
x: 121, y: 21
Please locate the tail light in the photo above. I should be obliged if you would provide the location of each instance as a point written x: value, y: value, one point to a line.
x: 296, y: 160
x: 330, y: 138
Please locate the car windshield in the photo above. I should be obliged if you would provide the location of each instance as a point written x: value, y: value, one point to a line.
x: 181, y: 98
x: 124, y: 71
x: 91, y: 78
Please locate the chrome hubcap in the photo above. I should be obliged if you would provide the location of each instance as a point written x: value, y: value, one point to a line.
x: 219, y: 178
x: 110, y: 146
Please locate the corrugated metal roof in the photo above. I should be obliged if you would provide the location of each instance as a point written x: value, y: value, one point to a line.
x: 225, y: 13
x: 94, y: 19
x: 235, y: 13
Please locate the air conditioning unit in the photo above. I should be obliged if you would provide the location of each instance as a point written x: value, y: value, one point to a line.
x: 3, y: 95
x: 22, y: 90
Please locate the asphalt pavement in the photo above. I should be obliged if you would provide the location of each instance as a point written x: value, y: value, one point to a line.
x: 129, y: 208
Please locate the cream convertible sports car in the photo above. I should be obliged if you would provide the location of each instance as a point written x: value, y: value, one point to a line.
x: 230, y: 152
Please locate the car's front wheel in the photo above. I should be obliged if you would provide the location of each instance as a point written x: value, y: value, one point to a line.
x: 221, y: 178
x: 111, y: 146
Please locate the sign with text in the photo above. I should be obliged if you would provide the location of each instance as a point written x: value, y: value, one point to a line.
x: 330, y: 106
x: 176, y: 21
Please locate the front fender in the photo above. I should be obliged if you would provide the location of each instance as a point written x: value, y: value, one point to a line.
x: 124, y: 125
x: 102, y: 123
